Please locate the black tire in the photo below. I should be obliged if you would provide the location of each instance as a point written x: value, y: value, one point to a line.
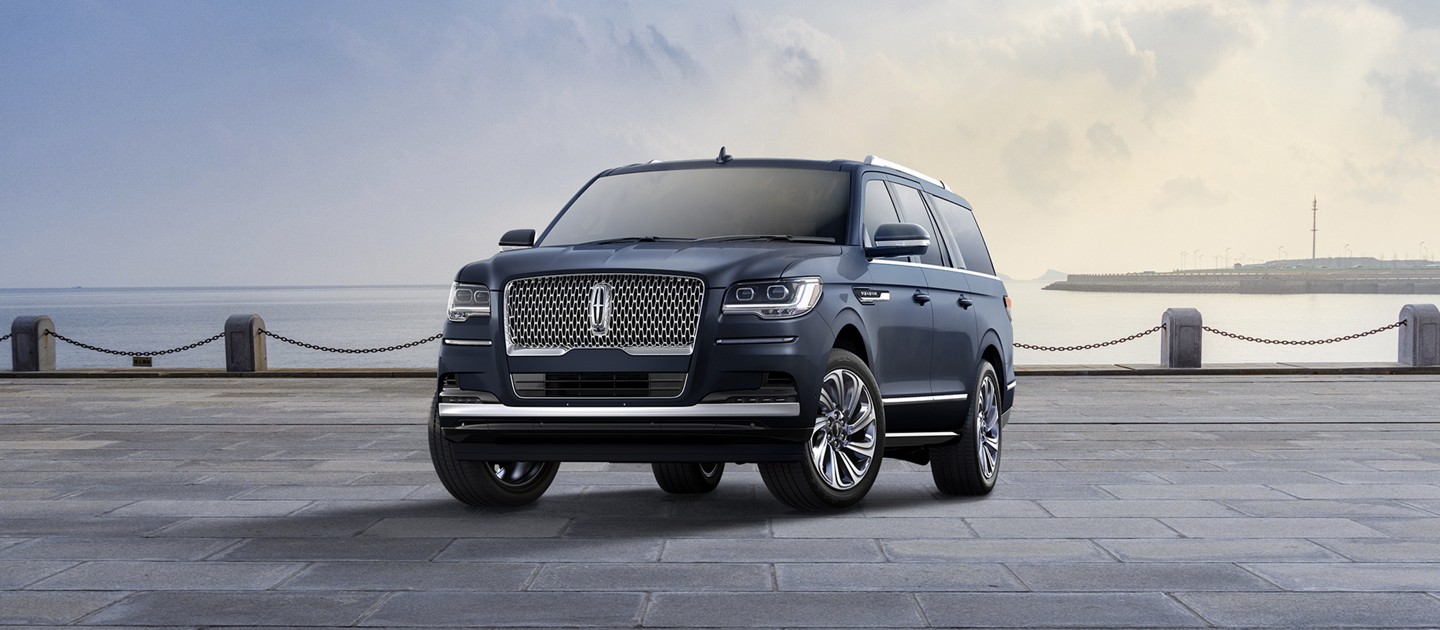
x: 820, y: 480
x: 971, y: 464
x: 688, y: 478
x: 488, y: 484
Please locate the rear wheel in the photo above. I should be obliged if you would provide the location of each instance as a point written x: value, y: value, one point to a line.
x: 842, y: 458
x: 488, y: 484
x: 688, y: 478
x: 971, y: 464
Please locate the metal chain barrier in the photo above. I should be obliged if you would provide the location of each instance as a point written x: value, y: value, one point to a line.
x: 2, y: 339
x: 123, y: 353
x: 312, y: 346
x: 1303, y: 342
x: 1091, y: 346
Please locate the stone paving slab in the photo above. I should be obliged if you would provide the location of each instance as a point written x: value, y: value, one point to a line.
x: 1218, y: 500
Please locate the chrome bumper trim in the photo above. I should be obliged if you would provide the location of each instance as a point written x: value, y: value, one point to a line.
x: 748, y: 340
x: 1011, y: 385
x: 706, y: 410
x: 468, y: 342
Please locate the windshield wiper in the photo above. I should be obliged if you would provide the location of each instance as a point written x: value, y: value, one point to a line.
x: 637, y: 239
x: 769, y: 237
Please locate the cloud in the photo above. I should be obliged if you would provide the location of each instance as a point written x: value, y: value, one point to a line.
x: 1156, y: 53
x: 1187, y: 44
x: 1183, y: 193
x: 800, y: 54
x: 1072, y: 42
x: 1037, y: 163
x: 1413, y: 98
x: 1416, y: 13
x: 1105, y: 141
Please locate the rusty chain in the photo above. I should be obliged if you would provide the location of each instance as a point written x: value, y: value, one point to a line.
x: 124, y: 353
x: 351, y: 350
x: 1090, y: 346
x: 1303, y: 342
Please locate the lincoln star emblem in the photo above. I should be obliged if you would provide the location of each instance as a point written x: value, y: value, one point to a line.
x: 602, y: 298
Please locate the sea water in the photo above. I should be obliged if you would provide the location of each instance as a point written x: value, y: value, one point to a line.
x: 146, y: 320
x: 150, y: 319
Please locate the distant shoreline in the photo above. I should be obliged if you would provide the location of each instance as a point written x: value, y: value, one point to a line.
x: 1343, y: 276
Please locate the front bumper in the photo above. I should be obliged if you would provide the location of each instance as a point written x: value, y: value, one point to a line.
x: 731, y: 432
x: 727, y: 410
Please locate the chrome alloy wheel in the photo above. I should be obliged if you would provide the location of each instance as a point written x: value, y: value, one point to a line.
x: 987, y: 429
x: 842, y: 446
x: 516, y: 473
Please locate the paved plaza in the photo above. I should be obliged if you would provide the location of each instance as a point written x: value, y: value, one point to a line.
x: 1153, y: 501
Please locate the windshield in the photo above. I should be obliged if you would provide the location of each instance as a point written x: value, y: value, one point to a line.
x: 708, y: 203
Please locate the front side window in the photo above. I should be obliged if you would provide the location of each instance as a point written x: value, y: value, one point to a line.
x: 912, y: 209
x: 708, y: 203
x: 878, y: 209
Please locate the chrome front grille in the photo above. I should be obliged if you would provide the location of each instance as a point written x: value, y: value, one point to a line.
x: 642, y: 314
x: 599, y: 384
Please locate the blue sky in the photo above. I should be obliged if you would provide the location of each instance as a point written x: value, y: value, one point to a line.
x: 255, y: 143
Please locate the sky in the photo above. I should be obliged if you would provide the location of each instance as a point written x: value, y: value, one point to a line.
x: 296, y: 143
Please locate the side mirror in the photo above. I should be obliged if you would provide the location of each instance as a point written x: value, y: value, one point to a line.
x: 899, y: 239
x: 515, y: 239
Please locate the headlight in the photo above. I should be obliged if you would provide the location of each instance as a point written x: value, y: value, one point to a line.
x: 469, y: 300
x: 773, y: 299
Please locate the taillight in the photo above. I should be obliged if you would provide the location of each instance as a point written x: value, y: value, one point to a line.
x: 1007, y: 306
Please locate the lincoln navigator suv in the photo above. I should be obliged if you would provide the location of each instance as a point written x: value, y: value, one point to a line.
x: 809, y: 317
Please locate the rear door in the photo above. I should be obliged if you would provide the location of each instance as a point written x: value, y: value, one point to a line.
x: 953, y: 353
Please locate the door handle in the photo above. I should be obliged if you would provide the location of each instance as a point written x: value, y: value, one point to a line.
x: 965, y: 302
x: 922, y: 297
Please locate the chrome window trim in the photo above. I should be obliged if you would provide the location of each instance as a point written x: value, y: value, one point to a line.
x: 940, y: 267
x: 909, y: 400
x: 704, y: 410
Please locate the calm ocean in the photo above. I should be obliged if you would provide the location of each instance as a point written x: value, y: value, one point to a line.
x: 357, y: 317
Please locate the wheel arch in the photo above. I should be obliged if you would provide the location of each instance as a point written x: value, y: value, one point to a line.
x: 990, y: 353
x: 849, y: 336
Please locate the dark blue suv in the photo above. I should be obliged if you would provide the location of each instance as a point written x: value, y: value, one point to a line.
x: 810, y: 317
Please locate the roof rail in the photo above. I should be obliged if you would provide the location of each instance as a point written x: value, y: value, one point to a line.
x: 879, y: 161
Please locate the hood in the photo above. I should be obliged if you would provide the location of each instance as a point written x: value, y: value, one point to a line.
x: 718, y: 264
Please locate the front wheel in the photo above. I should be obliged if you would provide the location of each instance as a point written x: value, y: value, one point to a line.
x: 687, y: 478
x: 842, y: 458
x: 971, y: 464
x: 488, y: 484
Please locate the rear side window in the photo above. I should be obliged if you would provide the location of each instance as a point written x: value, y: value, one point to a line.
x: 912, y: 208
x: 878, y: 209
x: 967, y: 235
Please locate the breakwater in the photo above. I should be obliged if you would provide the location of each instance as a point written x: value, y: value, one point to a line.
x: 1423, y: 281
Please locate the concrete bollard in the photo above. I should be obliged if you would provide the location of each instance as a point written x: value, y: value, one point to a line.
x: 31, y: 350
x: 1180, y: 339
x: 1420, y: 336
x: 244, y: 345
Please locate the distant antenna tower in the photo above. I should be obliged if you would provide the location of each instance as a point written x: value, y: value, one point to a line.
x: 1314, y: 223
